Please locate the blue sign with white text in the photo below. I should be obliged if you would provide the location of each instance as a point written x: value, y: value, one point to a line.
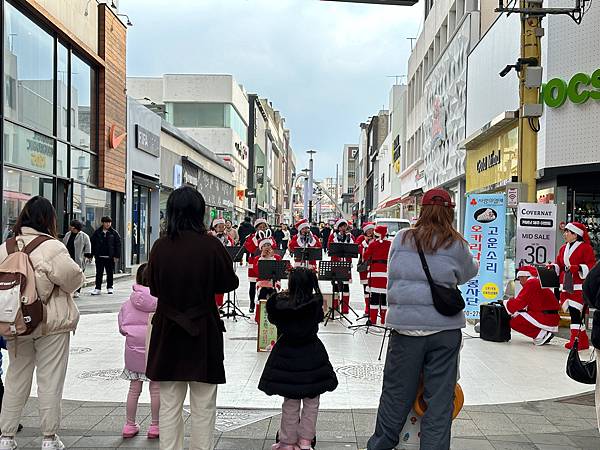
x: 485, y: 224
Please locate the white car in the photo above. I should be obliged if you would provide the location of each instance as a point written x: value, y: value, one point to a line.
x: 393, y: 225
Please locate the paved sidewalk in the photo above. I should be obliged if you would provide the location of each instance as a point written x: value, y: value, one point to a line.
x: 546, y: 425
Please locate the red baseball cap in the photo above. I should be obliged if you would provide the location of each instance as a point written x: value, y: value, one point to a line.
x: 438, y: 197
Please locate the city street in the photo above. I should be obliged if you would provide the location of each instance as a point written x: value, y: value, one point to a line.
x: 510, y: 409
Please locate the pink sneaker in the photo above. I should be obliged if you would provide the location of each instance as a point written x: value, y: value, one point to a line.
x: 305, y: 444
x: 153, y: 432
x: 130, y: 430
x: 280, y: 446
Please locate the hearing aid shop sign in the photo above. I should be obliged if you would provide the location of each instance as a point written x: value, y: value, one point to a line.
x: 536, y: 234
x: 485, y: 225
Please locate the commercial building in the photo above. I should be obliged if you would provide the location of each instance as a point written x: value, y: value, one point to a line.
x: 212, y: 110
x: 64, y: 114
x: 349, y: 164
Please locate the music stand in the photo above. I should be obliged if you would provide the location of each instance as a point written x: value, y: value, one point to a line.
x: 343, y: 250
x: 337, y: 272
x: 229, y: 307
x: 306, y: 254
x: 269, y: 269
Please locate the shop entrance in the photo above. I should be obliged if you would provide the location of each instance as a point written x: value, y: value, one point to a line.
x: 140, y: 223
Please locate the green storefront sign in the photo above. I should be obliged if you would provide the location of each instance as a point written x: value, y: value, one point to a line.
x: 578, y: 90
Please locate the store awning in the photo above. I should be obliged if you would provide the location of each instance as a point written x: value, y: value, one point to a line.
x: 389, y: 203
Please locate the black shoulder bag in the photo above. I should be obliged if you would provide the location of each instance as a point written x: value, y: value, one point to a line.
x: 447, y: 301
x: 578, y: 370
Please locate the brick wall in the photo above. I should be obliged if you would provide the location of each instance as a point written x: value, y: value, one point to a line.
x: 112, y: 38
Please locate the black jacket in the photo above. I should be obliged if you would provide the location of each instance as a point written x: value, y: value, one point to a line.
x: 325, y: 235
x: 298, y: 366
x: 356, y: 232
x: 316, y: 231
x: 278, y: 236
x: 244, y: 230
x: 108, y: 244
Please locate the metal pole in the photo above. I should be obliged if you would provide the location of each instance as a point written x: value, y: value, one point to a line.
x: 305, y: 198
x: 310, y: 184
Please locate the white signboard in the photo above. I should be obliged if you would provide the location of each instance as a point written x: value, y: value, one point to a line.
x: 536, y: 234
x: 512, y: 197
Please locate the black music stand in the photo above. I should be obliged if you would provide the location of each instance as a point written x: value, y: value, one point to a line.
x: 230, y: 308
x: 343, y: 250
x: 305, y: 254
x: 337, y: 272
x: 269, y: 269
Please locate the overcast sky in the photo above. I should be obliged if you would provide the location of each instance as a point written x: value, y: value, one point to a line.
x: 324, y: 65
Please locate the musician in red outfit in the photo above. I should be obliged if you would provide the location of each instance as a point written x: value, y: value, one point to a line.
x: 265, y: 287
x: 535, y: 310
x: 252, y: 247
x: 574, y: 261
x: 341, y: 235
x: 304, y: 239
x: 377, y: 255
x: 219, y: 233
x: 363, y: 242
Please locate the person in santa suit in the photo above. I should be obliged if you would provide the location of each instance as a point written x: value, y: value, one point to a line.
x: 304, y: 239
x: 265, y: 288
x: 363, y: 242
x: 227, y: 241
x: 341, y: 235
x: 574, y: 261
x: 251, y: 246
x: 377, y: 255
x: 534, y: 311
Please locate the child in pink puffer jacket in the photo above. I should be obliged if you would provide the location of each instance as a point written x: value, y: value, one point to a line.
x: 133, y: 324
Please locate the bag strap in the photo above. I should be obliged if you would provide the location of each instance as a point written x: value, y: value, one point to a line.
x: 36, y: 243
x: 424, y: 264
x: 11, y: 245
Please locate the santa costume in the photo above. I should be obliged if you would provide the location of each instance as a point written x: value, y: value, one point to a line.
x: 377, y: 254
x: 265, y: 287
x: 363, y: 242
x: 227, y: 242
x: 252, y: 247
x: 344, y: 287
x: 573, y: 263
x: 301, y: 240
x: 534, y: 312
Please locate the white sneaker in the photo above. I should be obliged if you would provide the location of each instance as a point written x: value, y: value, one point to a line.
x: 96, y: 292
x: 7, y: 443
x: 52, y: 444
x: 110, y: 290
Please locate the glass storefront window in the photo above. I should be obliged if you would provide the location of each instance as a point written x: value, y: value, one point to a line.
x: 235, y: 122
x: 62, y: 81
x: 163, y: 197
x: 19, y: 187
x: 28, y: 71
x: 61, y: 159
x: 89, y: 206
x: 196, y: 115
x: 84, y: 166
x: 27, y: 148
x: 82, y: 107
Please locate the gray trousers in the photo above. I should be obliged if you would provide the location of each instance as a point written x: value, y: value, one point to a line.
x: 436, y: 357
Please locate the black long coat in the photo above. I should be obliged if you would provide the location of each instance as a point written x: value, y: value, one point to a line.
x: 298, y: 366
x: 187, y: 334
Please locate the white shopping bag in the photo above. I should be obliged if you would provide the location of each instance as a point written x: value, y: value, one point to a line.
x: 410, y: 436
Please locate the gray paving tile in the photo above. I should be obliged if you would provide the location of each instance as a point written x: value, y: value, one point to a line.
x: 240, y: 443
x: 470, y: 444
x: 550, y: 439
x: 504, y: 445
x: 538, y: 428
x: 586, y: 441
x: 465, y: 428
x: 99, y: 442
x: 529, y: 419
x: 508, y: 438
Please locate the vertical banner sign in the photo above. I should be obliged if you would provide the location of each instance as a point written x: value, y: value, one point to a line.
x: 485, y: 224
x: 536, y: 234
x: 267, y: 332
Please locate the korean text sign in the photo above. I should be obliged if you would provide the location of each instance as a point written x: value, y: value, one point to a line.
x: 485, y: 224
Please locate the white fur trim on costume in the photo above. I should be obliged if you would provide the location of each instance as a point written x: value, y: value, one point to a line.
x: 374, y: 290
x: 265, y: 242
x: 533, y: 321
x: 364, y: 281
x: 339, y: 222
x: 573, y: 304
x: 569, y: 250
x: 303, y: 226
x: 556, y: 268
x: 378, y: 274
x: 218, y: 222
x: 368, y: 227
x: 574, y: 229
x: 523, y: 273
x: 252, y: 279
x: 584, y: 270
x: 259, y: 221
x: 574, y: 326
x: 576, y: 287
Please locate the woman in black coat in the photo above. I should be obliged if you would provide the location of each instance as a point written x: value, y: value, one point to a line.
x: 298, y: 367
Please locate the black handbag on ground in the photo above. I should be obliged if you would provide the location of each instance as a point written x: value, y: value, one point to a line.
x: 447, y: 301
x: 578, y: 370
x: 494, y: 323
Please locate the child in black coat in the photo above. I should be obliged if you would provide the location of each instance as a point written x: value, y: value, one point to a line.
x: 298, y: 367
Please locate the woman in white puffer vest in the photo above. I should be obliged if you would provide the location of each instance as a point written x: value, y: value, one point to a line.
x: 46, y: 350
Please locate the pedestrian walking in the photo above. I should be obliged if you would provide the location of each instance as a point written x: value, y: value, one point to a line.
x: 79, y: 246
x: 187, y: 267
x: 46, y: 350
x: 232, y: 232
x: 325, y: 233
x: 298, y: 367
x: 285, y: 242
x: 245, y: 229
x: 278, y: 236
x: 423, y: 343
x: 106, y: 249
x: 133, y: 324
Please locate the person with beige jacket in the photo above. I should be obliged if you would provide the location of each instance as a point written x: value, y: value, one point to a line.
x: 47, y: 349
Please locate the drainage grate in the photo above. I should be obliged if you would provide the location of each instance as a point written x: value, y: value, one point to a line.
x: 365, y: 371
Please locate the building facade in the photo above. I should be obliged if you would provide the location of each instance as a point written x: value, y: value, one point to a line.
x: 64, y: 110
x: 349, y: 167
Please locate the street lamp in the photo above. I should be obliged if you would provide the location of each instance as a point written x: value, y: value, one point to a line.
x: 310, y: 183
x: 305, y: 194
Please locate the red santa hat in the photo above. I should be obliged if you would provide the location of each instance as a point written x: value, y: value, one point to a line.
x: 340, y: 222
x: 368, y: 226
x: 264, y: 238
x: 579, y: 229
x: 218, y: 222
x: 257, y: 222
x: 301, y: 224
x: 381, y: 231
x: 527, y: 271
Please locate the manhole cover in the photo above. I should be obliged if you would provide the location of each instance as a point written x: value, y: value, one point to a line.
x: 79, y: 350
x: 244, y: 338
x: 105, y: 374
x: 365, y: 371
